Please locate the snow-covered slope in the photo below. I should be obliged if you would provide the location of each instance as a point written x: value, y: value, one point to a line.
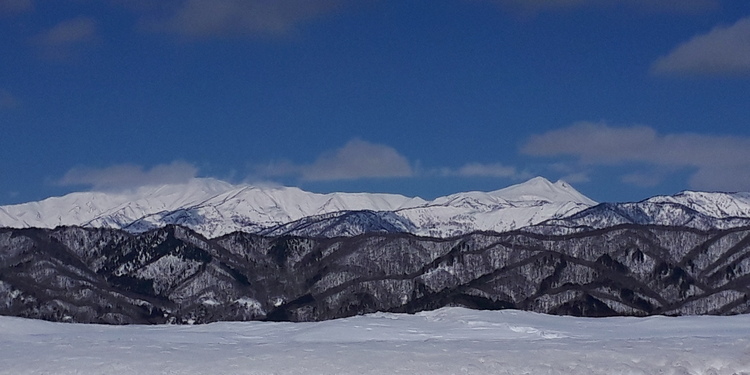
x: 718, y: 205
x: 215, y: 208
x: 699, y: 210
x: 445, y: 341
x: 343, y: 224
x: 209, y: 206
x: 254, y: 209
x: 113, y: 210
x: 514, y: 207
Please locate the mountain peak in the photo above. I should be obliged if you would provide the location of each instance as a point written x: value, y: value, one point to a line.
x: 541, y: 189
x: 214, y: 208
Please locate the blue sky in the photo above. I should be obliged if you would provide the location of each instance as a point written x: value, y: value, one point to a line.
x: 623, y: 99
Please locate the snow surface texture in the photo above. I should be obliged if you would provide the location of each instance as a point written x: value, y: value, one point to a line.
x: 445, y: 341
x: 214, y: 208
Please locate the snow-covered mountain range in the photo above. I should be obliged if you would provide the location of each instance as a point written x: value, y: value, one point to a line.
x: 663, y: 255
x: 698, y: 210
x: 214, y: 208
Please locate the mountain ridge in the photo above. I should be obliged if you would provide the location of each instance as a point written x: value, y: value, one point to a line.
x: 692, y: 209
x: 175, y: 275
x: 214, y: 208
x: 663, y: 255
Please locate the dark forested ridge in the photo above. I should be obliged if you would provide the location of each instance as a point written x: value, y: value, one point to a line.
x: 173, y: 274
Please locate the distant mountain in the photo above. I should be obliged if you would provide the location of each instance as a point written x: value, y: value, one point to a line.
x: 514, y: 207
x: 718, y: 205
x: 502, y: 210
x: 698, y: 210
x: 214, y: 208
x: 208, y: 251
x: 343, y: 224
x: 173, y: 274
x: 110, y: 209
x: 254, y: 209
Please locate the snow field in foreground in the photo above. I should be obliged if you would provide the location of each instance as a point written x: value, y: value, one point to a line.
x: 445, y: 341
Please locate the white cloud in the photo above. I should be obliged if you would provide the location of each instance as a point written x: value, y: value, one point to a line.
x: 8, y: 100
x: 497, y: 170
x: 355, y: 160
x: 11, y: 7
x: 65, y: 39
x: 211, y: 18
x: 719, y: 162
x: 570, y: 172
x: 723, y: 50
x: 594, y: 142
x: 674, y: 6
x: 359, y: 159
x: 538, y: 5
x: 732, y: 177
x: 72, y: 31
x: 126, y: 176
x: 642, y: 179
x: 678, y: 6
x: 576, y: 178
x: 487, y: 170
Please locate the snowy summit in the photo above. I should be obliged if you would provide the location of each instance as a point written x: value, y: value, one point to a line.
x: 214, y: 208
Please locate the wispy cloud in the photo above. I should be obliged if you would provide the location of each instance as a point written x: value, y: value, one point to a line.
x: 486, y: 170
x: 12, y: 7
x: 725, y: 50
x: 643, y: 179
x: 64, y: 40
x: 571, y: 173
x: 718, y: 162
x: 359, y: 159
x: 576, y: 178
x: 671, y: 6
x: 126, y: 176
x: 355, y: 160
x: 215, y: 18
x: 495, y: 170
x: 8, y: 100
